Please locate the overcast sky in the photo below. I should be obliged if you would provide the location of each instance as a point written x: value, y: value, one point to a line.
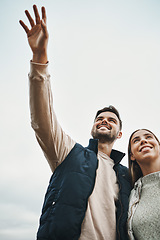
x: 101, y: 52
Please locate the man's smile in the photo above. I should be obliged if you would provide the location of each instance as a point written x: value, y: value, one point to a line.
x: 104, y: 126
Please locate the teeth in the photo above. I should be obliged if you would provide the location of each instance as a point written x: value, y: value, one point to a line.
x: 145, y: 148
x: 102, y: 127
x: 105, y: 127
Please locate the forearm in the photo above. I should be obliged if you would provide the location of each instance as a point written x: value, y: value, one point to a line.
x: 39, y: 96
x: 53, y: 141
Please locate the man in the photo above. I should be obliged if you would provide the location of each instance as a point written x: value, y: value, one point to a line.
x: 87, y: 197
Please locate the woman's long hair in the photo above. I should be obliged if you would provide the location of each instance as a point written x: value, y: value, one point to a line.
x: 134, y: 169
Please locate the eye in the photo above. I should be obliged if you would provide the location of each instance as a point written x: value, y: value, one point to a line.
x: 112, y: 120
x: 149, y: 136
x: 98, y: 119
x: 135, y: 140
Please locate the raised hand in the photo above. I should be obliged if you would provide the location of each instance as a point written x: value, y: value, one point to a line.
x: 37, y: 35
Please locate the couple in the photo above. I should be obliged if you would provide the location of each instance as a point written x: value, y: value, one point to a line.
x: 88, y: 194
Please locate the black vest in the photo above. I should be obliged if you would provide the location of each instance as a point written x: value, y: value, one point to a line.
x: 67, y: 195
x: 66, y: 199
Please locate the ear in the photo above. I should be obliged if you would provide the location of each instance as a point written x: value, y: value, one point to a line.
x: 119, y: 135
x: 132, y: 157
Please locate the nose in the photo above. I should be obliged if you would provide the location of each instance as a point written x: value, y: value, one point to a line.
x: 104, y: 121
x: 143, y: 141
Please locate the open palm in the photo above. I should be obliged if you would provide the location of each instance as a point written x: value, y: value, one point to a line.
x: 38, y: 34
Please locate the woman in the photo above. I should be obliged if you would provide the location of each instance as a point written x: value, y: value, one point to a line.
x: 144, y: 205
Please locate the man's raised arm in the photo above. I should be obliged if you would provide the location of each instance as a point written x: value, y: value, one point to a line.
x: 52, y: 139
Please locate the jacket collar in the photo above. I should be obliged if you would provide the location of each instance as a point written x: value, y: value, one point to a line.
x: 115, y: 154
x: 93, y: 145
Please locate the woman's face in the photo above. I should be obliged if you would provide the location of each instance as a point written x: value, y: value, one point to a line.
x: 144, y: 147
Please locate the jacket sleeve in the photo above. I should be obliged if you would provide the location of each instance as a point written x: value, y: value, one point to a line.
x: 54, y: 142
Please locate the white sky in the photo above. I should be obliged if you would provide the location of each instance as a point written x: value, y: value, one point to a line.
x: 101, y: 52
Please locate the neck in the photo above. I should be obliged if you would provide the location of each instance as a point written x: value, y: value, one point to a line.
x: 151, y: 168
x: 105, y: 147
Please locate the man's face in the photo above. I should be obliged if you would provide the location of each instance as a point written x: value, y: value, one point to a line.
x: 106, y: 127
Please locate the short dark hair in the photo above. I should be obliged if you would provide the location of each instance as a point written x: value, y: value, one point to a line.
x: 112, y: 109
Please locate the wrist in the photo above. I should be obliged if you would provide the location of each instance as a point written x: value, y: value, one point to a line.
x: 40, y: 58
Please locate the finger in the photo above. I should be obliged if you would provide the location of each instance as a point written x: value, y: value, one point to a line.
x: 44, y: 28
x: 29, y: 18
x: 37, y: 17
x: 44, y: 17
x: 24, y: 26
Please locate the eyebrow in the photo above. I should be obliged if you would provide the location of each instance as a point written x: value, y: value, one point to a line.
x: 135, y: 138
x: 98, y: 118
x: 111, y: 118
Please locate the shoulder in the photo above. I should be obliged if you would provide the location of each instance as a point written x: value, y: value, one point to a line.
x: 123, y: 170
x: 136, y: 191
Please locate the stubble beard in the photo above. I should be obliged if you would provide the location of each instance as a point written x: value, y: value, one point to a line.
x: 104, y: 137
